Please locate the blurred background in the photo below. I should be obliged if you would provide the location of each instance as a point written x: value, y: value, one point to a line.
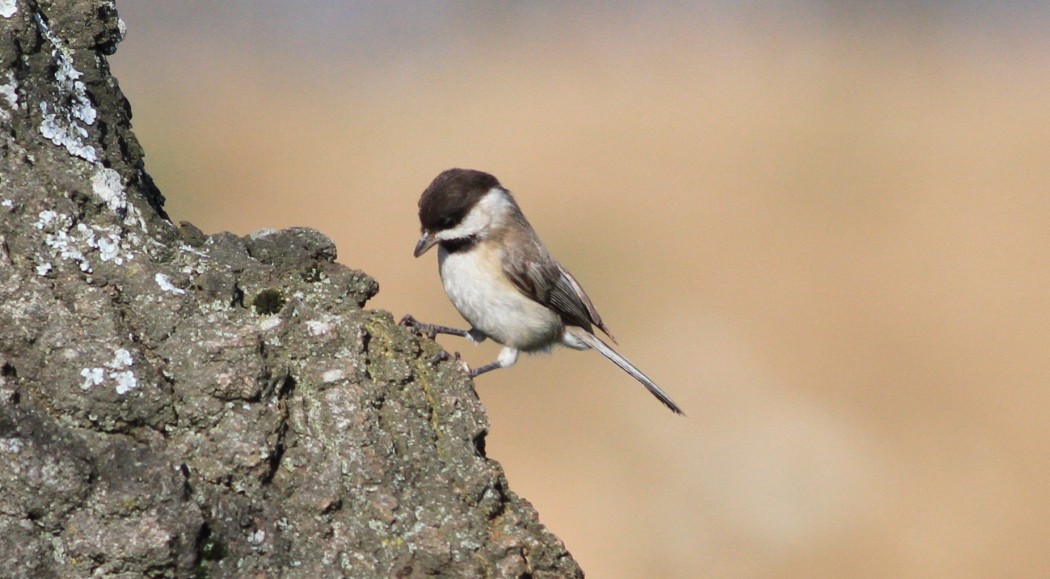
x: 822, y: 227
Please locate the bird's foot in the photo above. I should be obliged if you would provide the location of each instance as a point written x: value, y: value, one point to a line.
x: 462, y: 363
x: 428, y: 330
x: 441, y: 356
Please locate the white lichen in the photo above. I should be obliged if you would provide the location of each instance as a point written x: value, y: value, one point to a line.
x: 87, y: 234
x: 125, y: 379
x: 69, y: 242
x: 9, y: 91
x: 194, y: 251
x: 11, y: 445
x: 7, y: 204
x: 58, y: 239
x: 109, y: 249
x: 64, y: 245
x: 126, y: 382
x: 255, y: 235
x: 73, y: 107
x: 65, y: 134
x: 333, y: 375
x: 317, y: 328
x: 92, y: 377
x: 107, y: 243
x: 121, y: 359
x: 106, y: 184
x: 165, y: 284
x: 270, y: 323
x: 45, y: 218
x: 9, y: 96
x: 8, y: 8
x: 117, y: 370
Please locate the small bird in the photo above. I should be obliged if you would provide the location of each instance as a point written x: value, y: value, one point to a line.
x: 502, y: 279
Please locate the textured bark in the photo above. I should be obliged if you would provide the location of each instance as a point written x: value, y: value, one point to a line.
x: 178, y: 404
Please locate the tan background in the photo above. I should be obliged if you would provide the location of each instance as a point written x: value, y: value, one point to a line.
x: 824, y: 231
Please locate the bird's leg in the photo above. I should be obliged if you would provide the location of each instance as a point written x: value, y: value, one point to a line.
x: 507, y: 357
x: 430, y: 330
x: 475, y: 372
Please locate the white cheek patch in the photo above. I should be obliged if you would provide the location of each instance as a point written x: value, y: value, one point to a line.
x: 490, y: 211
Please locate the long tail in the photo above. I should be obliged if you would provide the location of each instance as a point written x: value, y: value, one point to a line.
x: 596, y: 343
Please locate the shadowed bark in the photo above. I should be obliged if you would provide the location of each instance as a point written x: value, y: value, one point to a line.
x: 177, y: 404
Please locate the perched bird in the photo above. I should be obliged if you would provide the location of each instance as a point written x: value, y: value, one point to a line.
x: 502, y: 279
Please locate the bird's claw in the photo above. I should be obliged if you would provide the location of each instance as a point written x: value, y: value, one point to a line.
x: 463, y: 363
x: 417, y: 327
x: 441, y: 356
x: 429, y: 330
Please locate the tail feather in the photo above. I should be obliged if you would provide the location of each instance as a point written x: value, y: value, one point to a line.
x: 605, y: 350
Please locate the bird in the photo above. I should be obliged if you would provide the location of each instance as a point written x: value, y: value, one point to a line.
x: 502, y: 279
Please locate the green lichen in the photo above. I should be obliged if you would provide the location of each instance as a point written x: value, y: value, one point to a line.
x: 312, y: 274
x: 269, y: 301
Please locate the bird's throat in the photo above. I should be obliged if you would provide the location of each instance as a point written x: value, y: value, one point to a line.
x: 460, y: 244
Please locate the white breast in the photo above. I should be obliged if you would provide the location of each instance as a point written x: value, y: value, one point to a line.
x: 476, y: 285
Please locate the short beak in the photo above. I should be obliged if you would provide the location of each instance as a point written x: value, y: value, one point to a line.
x: 426, y: 241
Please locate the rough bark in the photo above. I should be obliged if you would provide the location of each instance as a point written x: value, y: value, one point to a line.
x: 179, y: 404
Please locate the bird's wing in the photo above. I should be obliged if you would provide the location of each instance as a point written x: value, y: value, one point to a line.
x: 568, y: 295
x: 545, y: 281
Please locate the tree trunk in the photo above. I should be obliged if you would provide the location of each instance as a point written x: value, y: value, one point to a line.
x: 179, y: 404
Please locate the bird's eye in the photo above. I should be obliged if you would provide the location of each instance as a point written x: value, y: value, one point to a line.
x: 446, y: 222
